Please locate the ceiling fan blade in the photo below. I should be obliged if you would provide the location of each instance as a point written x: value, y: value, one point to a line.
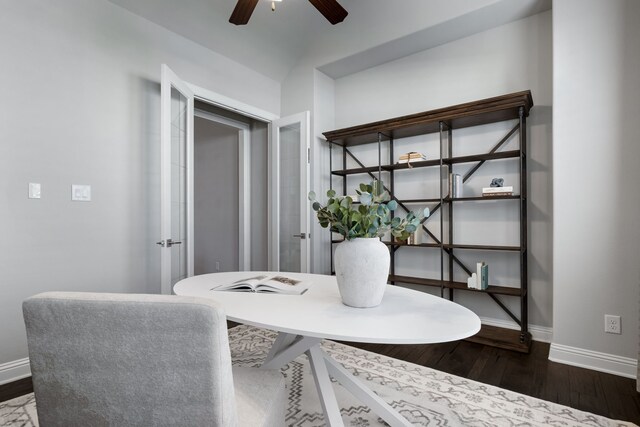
x: 331, y: 10
x: 243, y: 11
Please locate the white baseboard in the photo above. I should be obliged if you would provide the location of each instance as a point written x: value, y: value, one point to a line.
x: 603, y: 362
x: 15, y: 370
x: 538, y: 333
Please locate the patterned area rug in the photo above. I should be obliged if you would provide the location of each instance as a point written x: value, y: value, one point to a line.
x: 426, y: 397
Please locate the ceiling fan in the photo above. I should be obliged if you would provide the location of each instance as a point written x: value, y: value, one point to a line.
x: 331, y: 10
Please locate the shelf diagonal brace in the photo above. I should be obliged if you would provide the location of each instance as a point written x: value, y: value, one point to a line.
x: 493, y: 150
x: 506, y: 309
x: 403, y: 206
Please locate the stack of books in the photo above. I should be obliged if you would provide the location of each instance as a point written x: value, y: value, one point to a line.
x: 412, y: 157
x: 497, y: 191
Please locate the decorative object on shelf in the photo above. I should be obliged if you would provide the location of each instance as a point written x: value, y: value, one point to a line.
x: 415, y: 238
x: 362, y: 260
x: 412, y: 156
x: 497, y: 182
x: 497, y: 191
x: 472, y: 282
x: 455, y: 185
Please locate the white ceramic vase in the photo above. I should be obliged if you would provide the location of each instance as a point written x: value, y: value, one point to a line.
x: 362, y: 269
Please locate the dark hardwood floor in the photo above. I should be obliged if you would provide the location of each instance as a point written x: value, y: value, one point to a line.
x: 531, y: 374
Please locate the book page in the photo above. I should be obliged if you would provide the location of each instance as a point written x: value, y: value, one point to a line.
x: 282, y: 284
x: 248, y: 284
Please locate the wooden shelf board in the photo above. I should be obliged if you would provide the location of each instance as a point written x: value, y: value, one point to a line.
x: 415, y: 280
x: 356, y: 171
x: 492, y: 289
x: 483, y: 198
x: 500, y: 290
x: 408, y: 201
x: 503, y: 338
x: 485, y: 247
x: 419, y: 245
x: 479, y: 157
x: 490, y: 110
x: 429, y: 163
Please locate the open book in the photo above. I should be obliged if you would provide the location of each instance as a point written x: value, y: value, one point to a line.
x: 266, y: 284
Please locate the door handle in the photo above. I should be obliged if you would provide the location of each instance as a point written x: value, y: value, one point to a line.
x: 167, y: 243
x: 301, y: 235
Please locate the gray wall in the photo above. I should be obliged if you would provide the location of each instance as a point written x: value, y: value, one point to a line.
x: 81, y: 105
x: 596, y: 155
x: 215, y: 197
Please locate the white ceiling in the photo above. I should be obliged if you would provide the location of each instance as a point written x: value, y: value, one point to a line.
x: 272, y: 43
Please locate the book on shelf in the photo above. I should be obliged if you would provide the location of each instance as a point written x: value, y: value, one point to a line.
x: 412, y: 157
x: 484, y: 278
x: 266, y: 284
x: 480, y: 279
x: 496, y: 195
x: 497, y: 190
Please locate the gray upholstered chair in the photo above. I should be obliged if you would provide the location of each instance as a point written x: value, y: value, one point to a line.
x: 142, y: 360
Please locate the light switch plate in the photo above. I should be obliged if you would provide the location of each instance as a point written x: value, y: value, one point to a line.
x: 34, y: 190
x: 81, y: 193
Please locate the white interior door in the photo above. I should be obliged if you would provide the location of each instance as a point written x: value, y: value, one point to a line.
x: 290, y: 238
x: 176, y: 157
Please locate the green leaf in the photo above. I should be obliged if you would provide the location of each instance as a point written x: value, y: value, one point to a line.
x: 316, y: 206
x: 312, y: 195
x: 410, y: 228
x: 363, y: 188
x: 331, y: 193
x: 392, y: 205
x: 426, y: 212
x: 365, y: 199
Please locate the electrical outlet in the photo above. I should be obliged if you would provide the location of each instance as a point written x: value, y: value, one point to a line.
x: 612, y: 324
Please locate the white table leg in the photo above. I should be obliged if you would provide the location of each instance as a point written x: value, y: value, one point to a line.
x: 363, y: 393
x: 325, y: 388
x: 285, y: 354
x: 289, y: 346
x: 283, y: 340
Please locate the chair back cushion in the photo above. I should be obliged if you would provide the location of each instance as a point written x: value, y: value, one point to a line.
x: 124, y: 359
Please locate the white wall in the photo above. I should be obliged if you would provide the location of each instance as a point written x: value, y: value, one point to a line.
x: 215, y: 197
x: 80, y: 105
x: 596, y: 175
x: 509, y: 58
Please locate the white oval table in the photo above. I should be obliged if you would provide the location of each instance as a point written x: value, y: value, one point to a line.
x: 404, y: 317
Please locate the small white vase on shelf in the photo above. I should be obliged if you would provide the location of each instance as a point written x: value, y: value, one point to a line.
x: 362, y: 270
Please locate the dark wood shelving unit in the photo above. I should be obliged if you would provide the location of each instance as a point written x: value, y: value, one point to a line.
x: 515, y: 106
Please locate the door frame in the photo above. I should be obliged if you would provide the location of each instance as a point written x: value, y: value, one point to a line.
x: 244, y: 183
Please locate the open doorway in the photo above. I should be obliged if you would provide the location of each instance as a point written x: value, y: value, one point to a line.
x: 230, y: 191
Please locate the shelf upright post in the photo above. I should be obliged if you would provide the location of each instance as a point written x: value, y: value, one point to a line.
x: 524, y: 253
x: 392, y: 249
x: 442, y: 214
x: 450, y: 258
x: 330, y: 188
x: 344, y: 166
